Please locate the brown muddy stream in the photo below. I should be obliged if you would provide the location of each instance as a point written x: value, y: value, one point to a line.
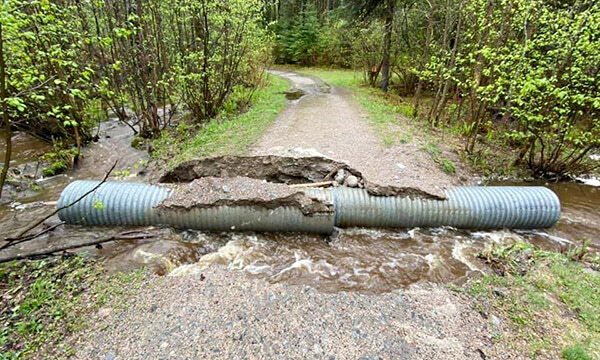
x: 367, y: 260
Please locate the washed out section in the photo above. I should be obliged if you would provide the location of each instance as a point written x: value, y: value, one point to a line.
x: 286, y: 170
x: 241, y: 191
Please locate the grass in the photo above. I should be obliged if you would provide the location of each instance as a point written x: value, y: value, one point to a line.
x: 43, y: 301
x: 227, y: 134
x: 550, y: 301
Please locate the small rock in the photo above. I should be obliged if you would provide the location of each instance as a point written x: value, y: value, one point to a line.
x: 104, y: 312
x: 401, y: 166
x: 110, y: 356
x: 164, y: 345
x: 340, y: 176
x: 352, y: 181
x: 226, y: 189
x: 495, y: 320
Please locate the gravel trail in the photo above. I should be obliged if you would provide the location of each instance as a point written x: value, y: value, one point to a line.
x: 326, y: 120
x: 224, y: 314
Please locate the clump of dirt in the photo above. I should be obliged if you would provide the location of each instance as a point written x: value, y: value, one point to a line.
x: 276, y: 169
x: 285, y: 170
x: 241, y: 191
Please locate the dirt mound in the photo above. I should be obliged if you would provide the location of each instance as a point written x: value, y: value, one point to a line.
x: 241, y: 191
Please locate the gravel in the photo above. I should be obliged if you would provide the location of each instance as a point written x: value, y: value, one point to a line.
x: 240, y: 191
x: 224, y: 314
x: 332, y: 124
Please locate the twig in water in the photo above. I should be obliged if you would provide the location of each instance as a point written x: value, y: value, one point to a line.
x: 22, y: 233
x: 65, y: 247
x: 15, y: 241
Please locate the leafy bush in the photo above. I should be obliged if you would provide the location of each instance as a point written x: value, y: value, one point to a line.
x: 48, y: 86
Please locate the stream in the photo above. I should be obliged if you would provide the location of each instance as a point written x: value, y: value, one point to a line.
x: 366, y: 260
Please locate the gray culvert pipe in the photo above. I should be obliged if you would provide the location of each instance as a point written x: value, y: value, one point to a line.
x: 493, y: 207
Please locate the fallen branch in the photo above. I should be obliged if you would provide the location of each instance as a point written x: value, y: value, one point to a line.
x: 35, y: 254
x: 312, y: 185
x: 22, y: 233
x: 16, y: 241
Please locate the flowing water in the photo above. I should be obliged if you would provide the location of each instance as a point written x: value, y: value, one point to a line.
x: 367, y: 260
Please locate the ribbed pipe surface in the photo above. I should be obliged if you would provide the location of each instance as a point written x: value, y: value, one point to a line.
x: 115, y: 203
x: 471, y: 207
x: 123, y: 203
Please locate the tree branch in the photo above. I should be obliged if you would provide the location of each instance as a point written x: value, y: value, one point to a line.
x: 22, y: 233
x: 65, y: 247
x: 19, y: 240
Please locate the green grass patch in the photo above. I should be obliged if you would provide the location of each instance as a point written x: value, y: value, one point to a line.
x: 43, y: 301
x: 549, y: 301
x: 226, y: 134
x: 576, y: 352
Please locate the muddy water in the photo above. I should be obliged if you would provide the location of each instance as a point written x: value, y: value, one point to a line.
x: 25, y: 148
x: 113, y: 145
x: 371, y: 260
x: 367, y: 260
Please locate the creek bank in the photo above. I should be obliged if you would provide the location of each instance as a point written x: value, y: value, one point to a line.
x: 45, y: 301
x: 28, y: 181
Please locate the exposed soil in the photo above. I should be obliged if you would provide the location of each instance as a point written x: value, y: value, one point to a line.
x: 283, y: 169
x: 241, y: 191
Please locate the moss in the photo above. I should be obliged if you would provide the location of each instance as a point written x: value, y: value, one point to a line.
x: 137, y: 142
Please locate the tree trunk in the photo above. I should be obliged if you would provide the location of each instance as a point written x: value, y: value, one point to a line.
x: 387, y: 45
x: 5, y: 119
x: 442, y: 103
x: 424, y: 59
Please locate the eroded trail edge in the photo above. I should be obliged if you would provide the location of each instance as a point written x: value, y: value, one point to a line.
x: 286, y: 170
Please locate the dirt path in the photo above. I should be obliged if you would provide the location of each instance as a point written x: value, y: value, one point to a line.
x: 327, y: 121
x: 222, y: 313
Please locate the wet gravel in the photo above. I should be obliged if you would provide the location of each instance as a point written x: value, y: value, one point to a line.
x: 224, y: 314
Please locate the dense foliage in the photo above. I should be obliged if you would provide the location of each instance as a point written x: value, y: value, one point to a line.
x: 67, y: 64
x: 524, y: 74
x: 67, y: 61
x: 520, y: 74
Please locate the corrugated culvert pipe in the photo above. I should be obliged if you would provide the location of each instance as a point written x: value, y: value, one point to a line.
x: 493, y: 207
